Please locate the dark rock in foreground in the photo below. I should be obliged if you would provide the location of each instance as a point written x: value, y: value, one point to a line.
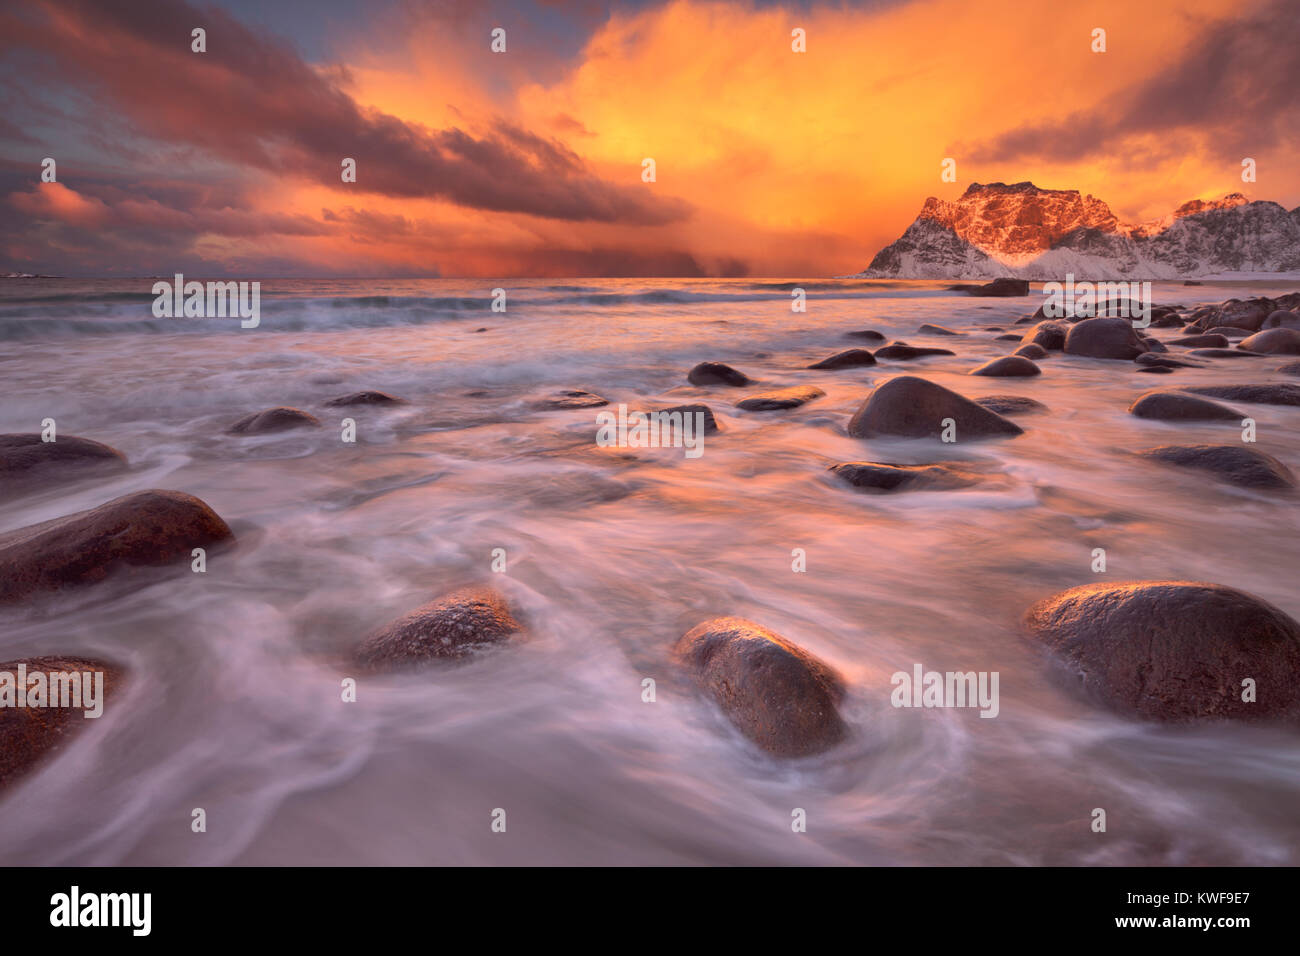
x: 880, y: 476
x: 25, y: 458
x: 1181, y: 407
x: 1173, y: 650
x: 912, y: 407
x: 849, y: 358
x: 28, y: 735
x: 1010, y: 404
x: 452, y: 627
x: 780, y: 398
x: 145, y: 529
x: 1008, y: 366
x: 777, y: 694
x: 364, y: 398
x: 274, y: 420
x: 1276, y: 341
x: 1235, y: 464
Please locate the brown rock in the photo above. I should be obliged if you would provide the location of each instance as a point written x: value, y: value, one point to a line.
x: 777, y: 694
x: 30, y: 734
x: 1010, y: 404
x: 364, y: 398
x: 912, y: 407
x: 452, y: 627
x: 1234, y: 464
x: 1008, y: 366
x: 1276, y: 341
x: 1048, y: 335
x: 1173, y: 650
x: 145, y: 529
x: 569, y: 398
x: 780, y: 398
x: 25, y: 459
x: 1110, y: 338
x: 880, y: 476
x: 715, y: 373
x: 274, y: 420
x: 1169, y: 406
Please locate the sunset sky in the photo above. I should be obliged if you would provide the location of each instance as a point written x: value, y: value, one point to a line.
x: 528, y: 163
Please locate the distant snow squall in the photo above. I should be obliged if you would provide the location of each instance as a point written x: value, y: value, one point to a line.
x: 1031, y: 233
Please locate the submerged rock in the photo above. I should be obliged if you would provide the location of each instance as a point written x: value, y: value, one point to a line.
x: 570, y: 398
x: 1008, y: 366
x: 1282, y: 319
x: 849, y: 358
x: 913, y: 407
x: 774, y: 692
x: 1010, y: 404
x: 902, y: 352
x: 1235, y: 464
x: 25, y: 458
x: 1281, y: 394
x: 145, y: 529
x: 929, y: 329
x: 696, y: 408
x: 881, y: 476
x: 1032, y: 352
x: 28, y: 735
x: 871, y: 335
x: 1165, y: 361
x: 715, y: 373
x: 1173, y: 650
x: 364, y: 398
x: 1171, y: 406
x: 1203, y: 341
x: 278, y: 419
x: 1225, y: 353
x: 452, y: 627
x: 780, y: 398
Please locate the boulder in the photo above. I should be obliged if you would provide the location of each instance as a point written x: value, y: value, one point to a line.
x: 1111, y: 338
x: 1276, y: 341
x: 780, y: 398
x: 902, y: 352
x: 1165, y: 361
x: 715, y: 373
x: 774, y: 692
x: 1205, y: 340
x: 1048, y: 335
x: 1282, y: 319
x: 849, y: 358
x: 450, y: 628
x: 1283, y: 394
x: 1032, y: 352
x: 1170, y: 406
x: 696, y: 408
x: 1008, y: 366
x: 1003, y: 287
x: 145, y: 529
x: 871, y: 335
x: 26, y: 459
x: 1225, y: 353
x: 912, y: 407
x: 1173, y: 650
x: 1234, y: 464
x: 929, y: 329
x: 29, y: 735
x: 278, y: 419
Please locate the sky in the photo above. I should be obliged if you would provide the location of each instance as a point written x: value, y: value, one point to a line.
x: 469, y: 162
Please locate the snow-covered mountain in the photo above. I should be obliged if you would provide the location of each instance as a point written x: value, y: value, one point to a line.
x: 1030, y: 233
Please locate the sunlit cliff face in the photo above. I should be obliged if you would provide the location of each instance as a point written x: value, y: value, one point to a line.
x: 530, y: 161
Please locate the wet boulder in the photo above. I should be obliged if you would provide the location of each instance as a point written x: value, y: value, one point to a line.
x: 902, y: 352
x: 270, y: 420
x: 882, y: 476
x: 568, y: 398
x: 1205, y: 340
x: 774, y: 692
x: 369, y: 397
x: 1281, y: 394
x: 453, y: 627
x: 1048, y: 335
x: 1173, y: 406
x: 1276, y: 341
x: 780, y: 398
x: 1233, y: 464
x: 1032, y: 352
x: 30, y: 735
x: 1173, y: 650
x: 1008, y: 366
x: 716, y: 373
x: 849, y: 358
x: 696, y: 408
x: 1010, y: 404
x: 26, y: 460
x: 1110, y: 338
x: 1282, y: 319
x: 145, y: 529
x: 912, y: 407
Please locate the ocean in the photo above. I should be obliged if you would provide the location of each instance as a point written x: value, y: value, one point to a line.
x: 233, y: 703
